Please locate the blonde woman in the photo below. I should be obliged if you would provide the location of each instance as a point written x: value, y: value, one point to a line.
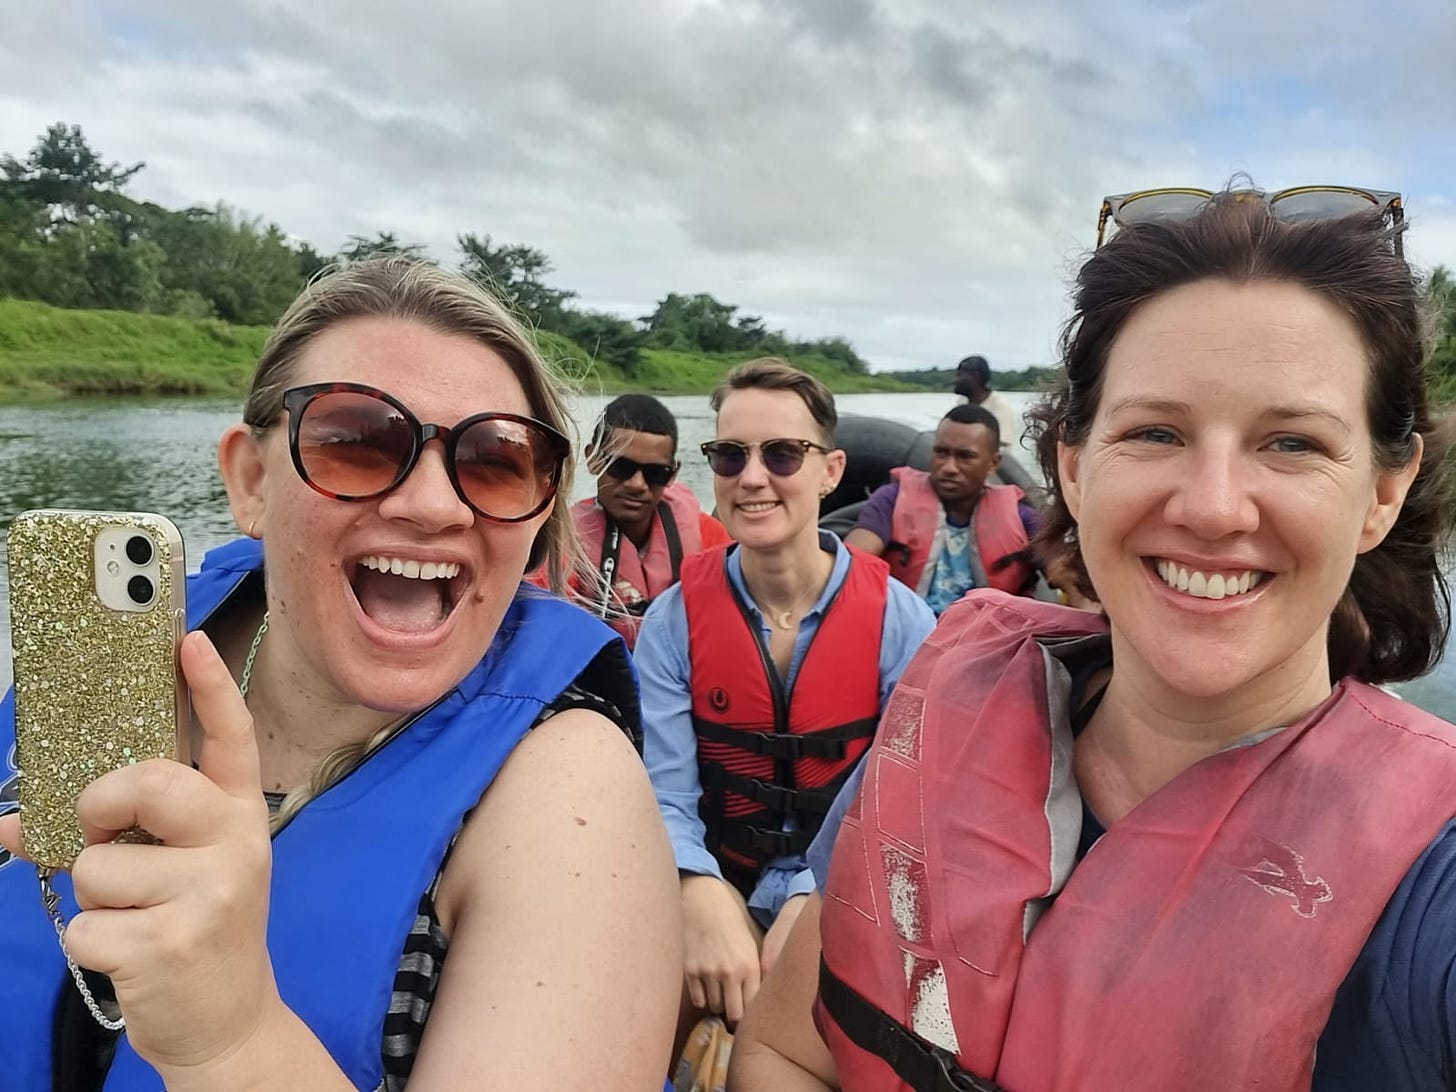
x: 444, y: 753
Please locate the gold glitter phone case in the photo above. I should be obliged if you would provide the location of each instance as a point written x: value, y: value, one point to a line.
x: 96, y: 614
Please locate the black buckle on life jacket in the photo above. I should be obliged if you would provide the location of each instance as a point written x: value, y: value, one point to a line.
x: 778, y: 843
x: 774, y: 797
x: 950, y: 1077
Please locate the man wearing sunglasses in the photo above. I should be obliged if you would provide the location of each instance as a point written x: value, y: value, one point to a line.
x: 973, y: 382
x: 642, y: 523
x: 946, y: 531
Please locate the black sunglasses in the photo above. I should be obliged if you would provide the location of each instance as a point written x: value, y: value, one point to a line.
x: 781, y: 458
x: 656, y: 475
x: 1295, y: 203
x: 353, y: 442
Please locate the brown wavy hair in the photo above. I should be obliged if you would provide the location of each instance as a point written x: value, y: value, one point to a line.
x: 1392, y: 621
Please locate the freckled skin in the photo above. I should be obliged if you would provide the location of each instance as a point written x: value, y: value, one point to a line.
x: 1231, y: 434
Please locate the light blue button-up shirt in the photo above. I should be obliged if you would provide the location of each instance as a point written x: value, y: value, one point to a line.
x: 670, y: 746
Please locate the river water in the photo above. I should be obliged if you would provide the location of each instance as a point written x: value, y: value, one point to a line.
x: 159, y: 457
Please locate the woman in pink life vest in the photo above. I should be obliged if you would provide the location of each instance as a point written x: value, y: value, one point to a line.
x: 1193, y: 844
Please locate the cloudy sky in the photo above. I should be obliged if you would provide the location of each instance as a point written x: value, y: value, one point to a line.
x: 917, y: 175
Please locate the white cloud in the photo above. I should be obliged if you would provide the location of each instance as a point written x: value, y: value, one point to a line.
x: 916, y: 175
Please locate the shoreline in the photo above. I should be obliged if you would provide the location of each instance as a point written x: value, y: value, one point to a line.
x: 51, y: 354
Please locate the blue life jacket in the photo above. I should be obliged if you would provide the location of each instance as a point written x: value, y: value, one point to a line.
x: 348, y: 869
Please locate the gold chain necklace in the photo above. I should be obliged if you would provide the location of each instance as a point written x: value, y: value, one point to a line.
x: 782, y: 618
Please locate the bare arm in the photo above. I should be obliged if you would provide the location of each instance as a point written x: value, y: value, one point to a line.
x: 777, y: 1048
x: 866, y: 540
x: 561, y: 901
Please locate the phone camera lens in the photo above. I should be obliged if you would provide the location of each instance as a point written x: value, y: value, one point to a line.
x: 139, y: 587
x: 139, y: 552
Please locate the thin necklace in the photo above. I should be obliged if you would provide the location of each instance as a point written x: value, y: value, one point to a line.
x: 782, y: 618
x: 252, y: 655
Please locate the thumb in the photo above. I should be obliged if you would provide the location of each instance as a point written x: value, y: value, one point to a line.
x: 228, y: 754
x: 10, y: 839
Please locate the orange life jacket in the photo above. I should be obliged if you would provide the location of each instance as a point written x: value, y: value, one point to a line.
x: 637, y: 577
x: 1199, y: 944
x: 996, y: 531
x: 767, y: 754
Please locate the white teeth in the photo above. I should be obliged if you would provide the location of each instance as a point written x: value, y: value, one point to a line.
x: 412, y: 570
x: 1205, y: 585
x: 761, y: 506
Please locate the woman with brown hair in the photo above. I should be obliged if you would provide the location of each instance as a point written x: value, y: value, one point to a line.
x: 1195, y: 845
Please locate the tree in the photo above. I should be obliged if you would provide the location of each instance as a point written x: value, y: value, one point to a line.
x: 62, y: 168
x: 517, y: 275
x: 604, y: 336
x: 246, y: 271
x: 696, y: 323
x: 360, y: 247
x: 1442, y: 290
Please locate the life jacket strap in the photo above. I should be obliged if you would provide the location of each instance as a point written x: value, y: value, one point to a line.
x: 831, y: 744
x: 779, y: 799
x: 923, y: 1066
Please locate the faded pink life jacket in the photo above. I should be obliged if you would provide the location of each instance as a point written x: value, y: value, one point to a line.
x: 1201, y: 941
x: 996, y: 530
x: 636, y: 578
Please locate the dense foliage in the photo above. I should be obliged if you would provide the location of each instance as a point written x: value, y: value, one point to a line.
x: 72, y: 237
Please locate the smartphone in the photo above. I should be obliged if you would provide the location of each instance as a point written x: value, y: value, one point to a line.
x: 96, y: 617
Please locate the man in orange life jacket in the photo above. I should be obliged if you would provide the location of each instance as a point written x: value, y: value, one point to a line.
x: 641, y: 524
x: 946, y: 531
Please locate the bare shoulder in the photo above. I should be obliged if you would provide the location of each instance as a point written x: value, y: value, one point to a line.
x: 561, y: 903
x: 573, y: 790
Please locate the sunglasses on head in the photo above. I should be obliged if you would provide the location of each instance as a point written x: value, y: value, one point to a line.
x: 781, y: 458
x: 1295, y: 203
x: 655, y: 475
x: 352, y: 442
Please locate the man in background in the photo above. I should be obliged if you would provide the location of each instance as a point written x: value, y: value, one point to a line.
x: 641, y: 524
x: 973, y: 381
x: 946, y: 531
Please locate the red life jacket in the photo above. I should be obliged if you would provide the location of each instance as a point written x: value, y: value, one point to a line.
x: 637, y: 577
x: 1199, y: 944
x: 996, y: 531
x: 766, y: 754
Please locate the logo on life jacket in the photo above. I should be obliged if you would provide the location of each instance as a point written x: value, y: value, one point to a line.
x: 718, y: 699
x: 1280, y: 871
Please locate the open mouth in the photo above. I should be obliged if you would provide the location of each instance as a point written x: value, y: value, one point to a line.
x: 405, y: 595
x: 758, y: 506
x: 1208, y: 585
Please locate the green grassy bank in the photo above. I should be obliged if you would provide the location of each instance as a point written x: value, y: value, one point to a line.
x: 47, y: 353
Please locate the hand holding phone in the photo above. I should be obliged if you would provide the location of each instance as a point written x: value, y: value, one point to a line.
x: 97, y: 613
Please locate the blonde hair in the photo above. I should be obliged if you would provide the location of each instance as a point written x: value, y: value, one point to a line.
x: 330, y: 768
x: 412, y: 290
